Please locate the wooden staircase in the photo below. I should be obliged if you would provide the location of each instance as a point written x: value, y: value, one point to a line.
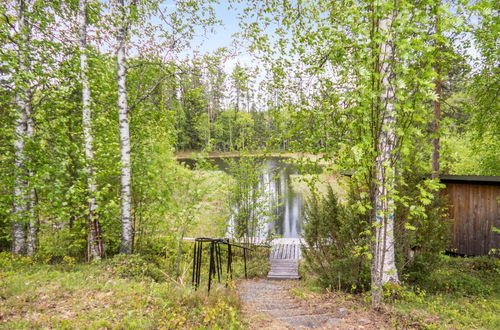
x: 284, y: 258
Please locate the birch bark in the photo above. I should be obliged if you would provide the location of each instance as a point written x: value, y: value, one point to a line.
x: 20, y: 205
x: 383, y: 262
x: 95, y: 246
x: 32, y: 233
x: 127, y: 238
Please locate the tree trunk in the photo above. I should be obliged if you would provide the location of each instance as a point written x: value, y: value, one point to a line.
x: 94, y: 240
x: 20, y: 205
x: 437, y: 105
x: 127, y: 238
x: 32, y: 234
x: 383, y: 268
x: 435, y: 127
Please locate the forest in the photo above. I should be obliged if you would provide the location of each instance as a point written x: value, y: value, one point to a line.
x: 128, y: 127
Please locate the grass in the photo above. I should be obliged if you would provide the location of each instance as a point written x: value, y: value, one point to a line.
x: 447, y: 311
x: 101, y: 295
x: 128, y: 291
x: 450, y: 293
x: 455, y: 293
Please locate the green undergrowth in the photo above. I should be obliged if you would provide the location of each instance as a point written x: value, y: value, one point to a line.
x: 123, y: 292
x: 213, y: 211
x: 478, y: 276
x: 436, y: 293
x: 457, y: 293
x: 257, y: 262
x: 419, y: 309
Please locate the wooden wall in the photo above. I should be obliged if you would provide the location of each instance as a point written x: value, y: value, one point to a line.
x: 474, y: 209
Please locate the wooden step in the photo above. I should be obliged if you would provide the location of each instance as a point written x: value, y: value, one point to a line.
x: 283, y: 277
x: 284, y: 258
x: 282, y: 269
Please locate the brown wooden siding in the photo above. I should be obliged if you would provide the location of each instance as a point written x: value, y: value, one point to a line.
x: 474, y: 209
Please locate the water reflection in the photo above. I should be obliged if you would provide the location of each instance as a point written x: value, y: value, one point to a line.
x: 276, y: 195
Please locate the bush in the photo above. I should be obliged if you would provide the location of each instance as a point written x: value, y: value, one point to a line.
x: 257, y: 262
x: 464, y: 276
x: 54, y: 244
x: 9, y: 262
x: 337, y: 240
x: 421, y: 224
x: 136, y: 267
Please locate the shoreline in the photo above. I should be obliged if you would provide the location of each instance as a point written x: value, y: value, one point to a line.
x: 233, y: 154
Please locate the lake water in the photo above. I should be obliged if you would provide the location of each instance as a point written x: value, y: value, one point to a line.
x: 276, y: 195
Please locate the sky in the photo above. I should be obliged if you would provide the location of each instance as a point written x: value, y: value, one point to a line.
x: 207, y: 42
x: 223, y: 35
x: 230, y: 25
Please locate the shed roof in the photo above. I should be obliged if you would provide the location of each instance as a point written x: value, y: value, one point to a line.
x: 470, y: 179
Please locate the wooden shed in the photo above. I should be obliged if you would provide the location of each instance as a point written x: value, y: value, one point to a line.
x: 474, y: 208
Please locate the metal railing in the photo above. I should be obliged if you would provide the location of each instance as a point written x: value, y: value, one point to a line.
x: 215, y: 262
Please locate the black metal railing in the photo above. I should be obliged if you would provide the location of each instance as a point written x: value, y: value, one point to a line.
x: 215, y: 262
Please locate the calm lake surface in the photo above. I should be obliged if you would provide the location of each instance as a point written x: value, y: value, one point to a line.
x: 275, y: 193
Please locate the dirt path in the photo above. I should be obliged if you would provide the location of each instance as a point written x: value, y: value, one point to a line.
x: 269, y: 305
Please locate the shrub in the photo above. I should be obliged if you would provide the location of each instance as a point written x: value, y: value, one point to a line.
x: 56, y: 243
x: 337, y: 240
x: 136, y: 267
x: 257, y: 262
x: 9, y: 262
x: 421, y: 225
x: 464, y: 276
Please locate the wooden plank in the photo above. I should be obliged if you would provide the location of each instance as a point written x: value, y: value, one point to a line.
x: 463, y: 216
x: 457, y: 202
x: 490, y: 217
x: 495, y: 203
x: 472, y: 220
x: 285, y: 251
x: 474, y: 209
x: 493, y: 217
x: 454, y: 216
x: 482, y: 201
x: 283, y: 269
x: 284, y: 261
x: 452, y: 201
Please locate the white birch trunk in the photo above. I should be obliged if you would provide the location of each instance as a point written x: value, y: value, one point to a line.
x: 126, y: 219
x: 94, y: 242
x: 20, y: 205
x: 383, y: 267
x: 32, y: 233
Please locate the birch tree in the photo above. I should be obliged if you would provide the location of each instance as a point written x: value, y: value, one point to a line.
x: 173, y: 34
x: 33, y: 224
x: 368, y: 89
x: 438, y: 90
x: 22, y: 206
x: 383, y: 248
x: 95, y: 245
x: 127, y: 237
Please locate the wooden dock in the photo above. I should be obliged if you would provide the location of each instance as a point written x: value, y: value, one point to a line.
x: 284, y: 258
